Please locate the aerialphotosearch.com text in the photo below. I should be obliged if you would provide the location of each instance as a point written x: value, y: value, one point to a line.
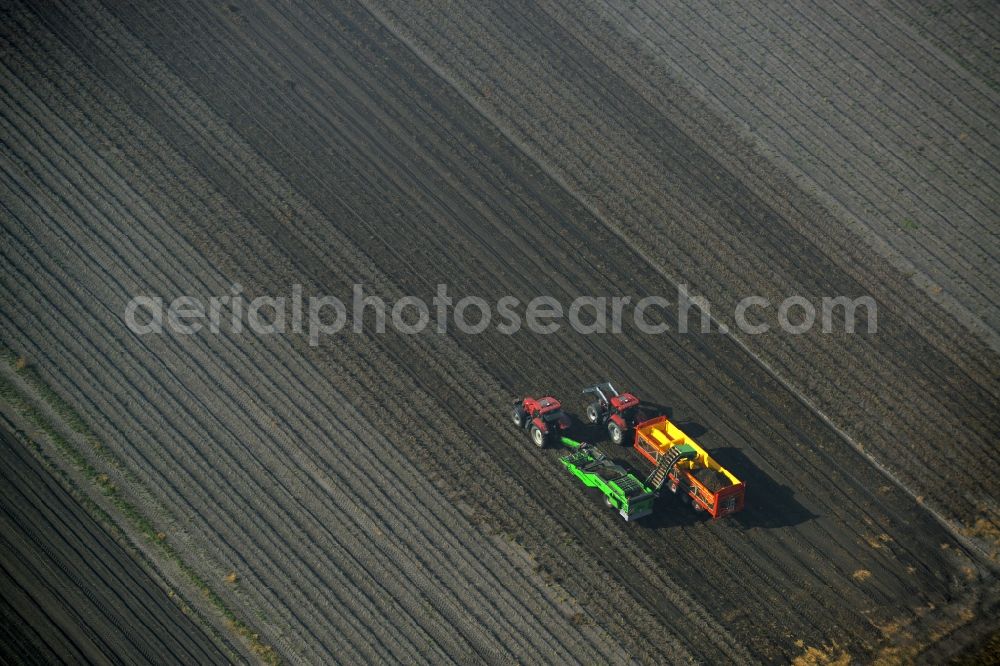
x: 320, y: 316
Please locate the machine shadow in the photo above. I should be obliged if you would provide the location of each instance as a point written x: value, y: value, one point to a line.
x: 769, y: 504
x: 651, y: 410
x: 581, y: 431
x: 672, y: 511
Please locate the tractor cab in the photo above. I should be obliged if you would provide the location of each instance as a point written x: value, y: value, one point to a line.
x: 623, y: 402
x: 543, y: 406
x: 542, y: 417
x: 619, y: 412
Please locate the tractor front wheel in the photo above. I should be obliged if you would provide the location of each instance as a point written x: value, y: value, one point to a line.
x: 537, y: 436
x: 593, y: 413
x: 617, y: 435
x: 517, y: 416
x: 608, y: 502
x: 696, y: 505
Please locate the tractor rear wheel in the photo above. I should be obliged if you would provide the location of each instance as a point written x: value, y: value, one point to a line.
x: 616, y: 432
x: 593, y: 413
x: 517, y: 416
x: 537, y: 436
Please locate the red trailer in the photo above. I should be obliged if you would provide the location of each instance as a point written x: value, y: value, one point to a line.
x: 688, y: 468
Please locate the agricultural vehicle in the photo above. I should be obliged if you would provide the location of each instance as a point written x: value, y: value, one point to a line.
x: 543, y: 418
x: 687, y: 468
x: 618, y: 412
x: 679, y: 462
x: 622, y: 491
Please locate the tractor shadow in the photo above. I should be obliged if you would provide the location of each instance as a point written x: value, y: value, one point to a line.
x: 596, y: 433
x: 592, y: 433
x: 769, y: 504
x: 650, y: 410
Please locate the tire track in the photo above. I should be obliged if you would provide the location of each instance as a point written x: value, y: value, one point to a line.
x: 892, y: 436
x: 429, y: 385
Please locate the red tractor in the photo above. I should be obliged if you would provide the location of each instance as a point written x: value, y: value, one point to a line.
x: 543, y: 418
x: 619, y: 412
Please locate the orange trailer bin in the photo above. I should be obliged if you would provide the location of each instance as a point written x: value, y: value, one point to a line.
x: 710, y: 486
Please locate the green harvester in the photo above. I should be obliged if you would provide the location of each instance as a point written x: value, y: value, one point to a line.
x: 622, y: 491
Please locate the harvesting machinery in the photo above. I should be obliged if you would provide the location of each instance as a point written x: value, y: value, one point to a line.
x: 679, y: 462
x: 543, y: 418
x: 618, y: 412
x: 622, y: 491
x: 687, y: 468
